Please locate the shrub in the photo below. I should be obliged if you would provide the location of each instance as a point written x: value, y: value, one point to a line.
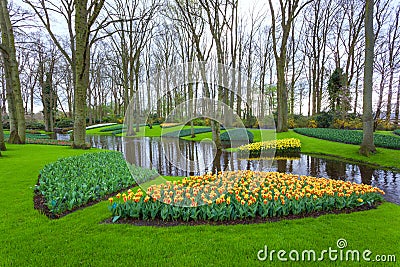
x: 281, y: 146
x: 312, y: 124
x: 250, y: 122
x: 324, y: 120
x: 74, y: 181
x: 237, y: 195
x: 35, y: 125
x: 64, y: 123
x: 299, y: 121
x: 350, y: 137
x: 348, y: 123
x: 237, y: 135
x: 383, y: 125
x: 108, y: 119
x: 291, y: 123
x: 197, y: 122
x: 397, y: 131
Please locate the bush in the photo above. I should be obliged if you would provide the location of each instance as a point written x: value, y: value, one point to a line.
x: 350, y: 137
x: 240, y: 195
x: 35, y: 125
x: 312, y: 124
x: 383, y: 125
x: 107, y: 119
x: 397, y: 131
x: 250, y: 122
x: 74, y: 181
x: 237, y: 135
x: 197, y: 122
x: 349, y: 124
x: 324, y: 120
x: 297, y: 121
x: 64, y: 123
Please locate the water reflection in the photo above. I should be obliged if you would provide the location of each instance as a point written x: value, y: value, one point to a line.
x: 182, y: 158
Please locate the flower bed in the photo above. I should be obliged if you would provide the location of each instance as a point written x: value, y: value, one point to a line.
x: 281, y: 146
x: 100, y: 125
x: 113, y: 128
x: 350, y: 137
x: 240, y: 195
x: 74, y: 181
x: 187, y: 132
x: 49, y: 142
x: 239, y: 134
x: 170, y: 124
x: 31, y: 136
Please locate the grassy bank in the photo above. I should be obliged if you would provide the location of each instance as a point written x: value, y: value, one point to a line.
x: 80, y: 238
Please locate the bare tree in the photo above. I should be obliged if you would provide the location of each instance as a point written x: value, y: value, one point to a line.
x: 13, y: 85
x: 289, y: 10
x: 85, y: 17
x: 367, y: 145
x: 393, y: 48
x: 2, y: 143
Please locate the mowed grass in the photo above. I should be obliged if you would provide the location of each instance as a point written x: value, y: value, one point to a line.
x: 31, y: 239
x: 384, y: 157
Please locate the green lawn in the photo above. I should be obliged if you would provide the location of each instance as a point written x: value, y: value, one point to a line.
x: 31, y: 239
x: 384, y: 157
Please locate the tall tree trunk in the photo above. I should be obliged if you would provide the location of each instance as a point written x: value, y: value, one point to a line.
x: 11, y: 70
x: 82, y: 73
x: 282, y: 98
x: 48, y: 99
x: 389, y: 96
x: 380, y: 97
x: 2, y: 143
x: 396, y: 116
x: 367, y: 145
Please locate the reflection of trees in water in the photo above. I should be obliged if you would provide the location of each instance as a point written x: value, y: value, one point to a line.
x: 105, y: 142
x: 366, y: 174
x: 335, y: 169
x: 312, y: 166
x: 216, y: 166
x: 282, y: 165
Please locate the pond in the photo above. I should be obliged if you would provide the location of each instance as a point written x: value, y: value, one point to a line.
x: 178, y: 157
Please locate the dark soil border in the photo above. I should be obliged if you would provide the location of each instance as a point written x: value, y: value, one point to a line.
x: 39, y: 202
x: 257, y: 220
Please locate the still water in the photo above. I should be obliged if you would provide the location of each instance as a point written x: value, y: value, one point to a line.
x: 182, y: 158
